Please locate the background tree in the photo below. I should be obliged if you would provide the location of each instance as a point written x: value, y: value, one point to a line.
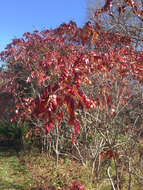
x: 124, y: 17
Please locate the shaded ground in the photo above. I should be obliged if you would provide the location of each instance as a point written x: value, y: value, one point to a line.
x: 13, y: 173
x: 31, y: 170
x: 35, y: 171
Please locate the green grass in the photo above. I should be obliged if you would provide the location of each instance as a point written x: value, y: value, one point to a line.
x: 31, y: 170
x: 13, y: 173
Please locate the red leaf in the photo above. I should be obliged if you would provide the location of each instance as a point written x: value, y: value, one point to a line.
x: 103, y: 100
x: 44, y: 93
x: 72, y: 118
x: 42, y: 107
x: 73, y: 138
x: 48, y: 126
x: 78, y: 94
x: 26, y: 137
x: 101, y: 155
x: 77, y: 186
x: 13, y: 119
x: 54, y: 103
x: 51, y: 125
x: 109, y: 100
x: 110, y: 154
x: 76, y: 126
x: 69, y: 102
x: 119, y: 10
x: 59, y: 127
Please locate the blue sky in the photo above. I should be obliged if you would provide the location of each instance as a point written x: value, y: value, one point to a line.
x: 20, y: 16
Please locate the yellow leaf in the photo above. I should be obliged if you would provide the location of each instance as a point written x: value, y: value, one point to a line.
x: 94, y: 37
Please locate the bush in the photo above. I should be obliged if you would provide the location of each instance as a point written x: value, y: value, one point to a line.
x: 11, y: 133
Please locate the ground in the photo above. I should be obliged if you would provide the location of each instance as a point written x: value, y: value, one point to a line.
x: 33, y: 171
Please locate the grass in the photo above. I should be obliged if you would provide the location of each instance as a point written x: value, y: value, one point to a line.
x: 60, y: 177
x: 31, y: 170
x: 35, y: 171
x: 13, y: 173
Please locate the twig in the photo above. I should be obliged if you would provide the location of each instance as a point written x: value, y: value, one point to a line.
x: 130, y: 176
x: 111, y: 181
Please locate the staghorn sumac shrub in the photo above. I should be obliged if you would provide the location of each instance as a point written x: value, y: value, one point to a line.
x: 77, y: 83
x: 56, y: 76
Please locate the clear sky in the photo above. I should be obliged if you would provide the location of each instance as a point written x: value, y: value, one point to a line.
x: 20, y: 16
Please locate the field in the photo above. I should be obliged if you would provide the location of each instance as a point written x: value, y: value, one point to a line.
x: 31, y: 170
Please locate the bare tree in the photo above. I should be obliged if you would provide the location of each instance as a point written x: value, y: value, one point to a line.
x: 120, y: 16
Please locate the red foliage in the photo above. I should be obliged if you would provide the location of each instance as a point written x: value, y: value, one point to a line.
x: 77, y: 186
x: 109, y: 154
x: 55, y: 64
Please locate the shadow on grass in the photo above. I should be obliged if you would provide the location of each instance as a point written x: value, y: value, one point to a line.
x: 6, y: 185
x: 9, y: 149
x: 13, y: 174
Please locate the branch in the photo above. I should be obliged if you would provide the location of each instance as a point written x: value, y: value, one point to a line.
x: 111, y: 181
